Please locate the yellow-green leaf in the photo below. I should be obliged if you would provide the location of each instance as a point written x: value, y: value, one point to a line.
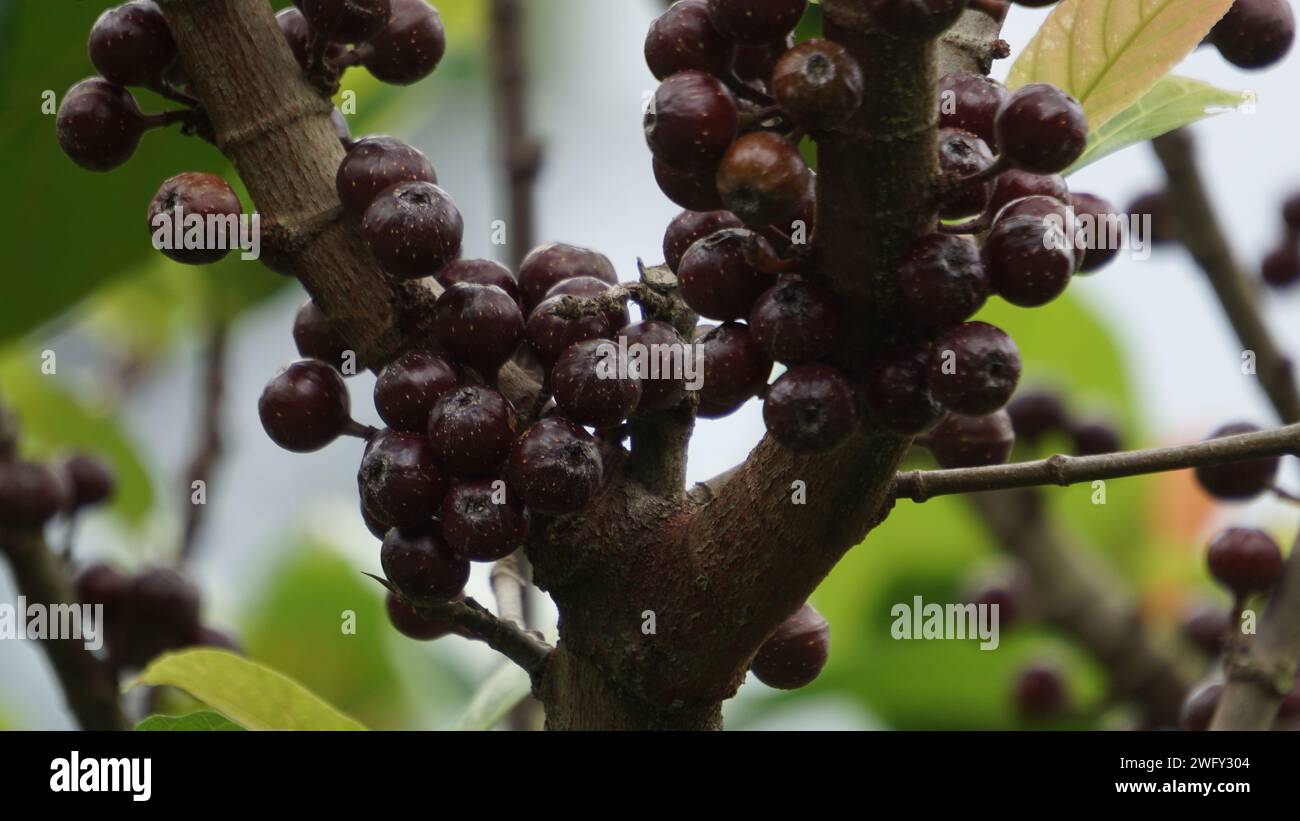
x: 1108, y: 53
x: 253, y: 696
x: 1173, y: 103
x: 206, y: 721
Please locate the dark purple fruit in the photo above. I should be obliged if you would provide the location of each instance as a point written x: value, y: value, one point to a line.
x: 689, y: 227
x: 481, y: 519
x: 972, y: 441
x: 1238, y: 481
x: 423, y: 568
x: 552, y: 263
x: 594, y: 384
x: 810, y: 409
x: 795, y: 322
x: 409, y: 386
x: 684, y: 38
x: 375, y: 164
x: 1245, y: 560
x: 794, y: 655
x: 400, y: 481
x: 556, y: 467
x: 941, y: 280
x: 735, y: 368
x: 188, y: 197
x: 413, y: 229
x: 479, y: 325
x: 897, y: 392
x: 472, y: 429
x: 974, y: 369
x: 716, y: 279
x: 131, y: 44
x: 305, y: 407
x: 691, y: 121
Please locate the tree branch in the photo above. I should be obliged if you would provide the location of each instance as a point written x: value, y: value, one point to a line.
x: 521, y: 152
x: 922, y: 485
x: 476, y: 622
x: 1203, y: 235
x: 1262, y: 670
x: 208, y: 444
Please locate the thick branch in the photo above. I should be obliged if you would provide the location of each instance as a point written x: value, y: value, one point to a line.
x: 720, y: 577
x: 89, y: 686
x: 1202, y: 233
x: 921, y: 485
x: 276, y: 129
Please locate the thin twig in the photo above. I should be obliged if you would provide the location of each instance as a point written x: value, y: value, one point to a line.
x: 208, y: 441
x: 521, y: 152
x: 509, y: 578
x: 477, y: 622
x: 921, y: 485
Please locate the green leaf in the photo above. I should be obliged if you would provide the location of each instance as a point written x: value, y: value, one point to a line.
x: 1108, y: 53
x: 204, y: 721
x: 498, y: 695
x: 257, y: 697
x: 1173, y: 103
x: 54, y: 420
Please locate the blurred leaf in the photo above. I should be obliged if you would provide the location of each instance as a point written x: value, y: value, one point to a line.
x: 205, y: 721
x: 54, y: 421
x: 1108, y: 53
x: 1173, y: 103
x: 252, y: 695
x: 498, y: 695
x: 296, y: 624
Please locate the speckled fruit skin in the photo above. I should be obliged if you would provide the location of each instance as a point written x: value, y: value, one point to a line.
x: 975, y: 369
x: 972, y: 441
x: 409, y: 47
x: 479, y: 272
x: 693, y: 189
x: 795, y: 654
x: 547, y: 265
x: 716, y: 279
x: 762, y: 179
x: 297, y: 33
x: 553, y: 326
x: 479, y: 325
x: 591, y: 288
x: 941, y: 280
x: 971, y: 102
x: 1238, y: 481
x: 414, y: 229
x: 664, y: 387
x: 484, y: 520
x: 408, y: 387
x: 818, y: 83
x: 691, y: 121
x: 472, y: 428
x: 1021, y: 266
x: 189, y: 195
x: 961, y: 155
x: 305, y: 407
x: 684, y: 38
x: 1042, y: 129
x: 810, y: 409
x: 795, y: 321
x: 99, y: 125
x: 422, y: 566
x: 593, y: 386
x: 689, y: 227
x: 1016, y: 184
x: 400, y: 481
x: 736, y: 368
x: 374, y: 164
x: 897, y: 391
x: 131, y: 44
x: 556, y: 467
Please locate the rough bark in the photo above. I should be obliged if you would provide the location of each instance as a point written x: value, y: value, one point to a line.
x: 720, y: 576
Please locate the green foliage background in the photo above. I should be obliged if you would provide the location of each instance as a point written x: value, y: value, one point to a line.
x: 76, y: 258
